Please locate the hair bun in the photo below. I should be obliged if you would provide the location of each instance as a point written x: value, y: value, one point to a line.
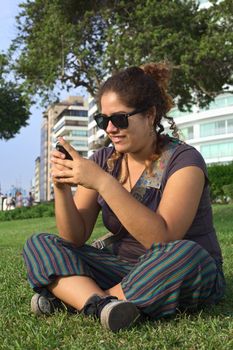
x: 160, y: 72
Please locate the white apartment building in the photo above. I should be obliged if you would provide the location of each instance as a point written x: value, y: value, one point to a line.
x: 209, y: 130
x: 72, y: 124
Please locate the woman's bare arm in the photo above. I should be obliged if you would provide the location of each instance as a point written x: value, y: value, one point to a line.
x: 75, y: 216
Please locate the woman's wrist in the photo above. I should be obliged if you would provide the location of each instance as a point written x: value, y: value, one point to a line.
x: 105, y: 183
x: 58, y: 187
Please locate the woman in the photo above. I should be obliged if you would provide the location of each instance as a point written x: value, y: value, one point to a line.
x: 154, y: 196
x: 19, y: 200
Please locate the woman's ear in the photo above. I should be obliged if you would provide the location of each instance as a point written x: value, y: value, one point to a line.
x: 151, y: 114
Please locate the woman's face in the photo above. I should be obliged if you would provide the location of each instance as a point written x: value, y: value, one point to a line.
x: 137, y: 138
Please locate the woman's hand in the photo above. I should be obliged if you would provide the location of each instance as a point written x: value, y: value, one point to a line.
x: 79, y: 171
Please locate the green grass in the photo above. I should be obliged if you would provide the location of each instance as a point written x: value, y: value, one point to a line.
x: 19, y: 329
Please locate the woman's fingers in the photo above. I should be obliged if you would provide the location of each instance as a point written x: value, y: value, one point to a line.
x: 64, y: 163
x: 61, y: 173
x: 57, y: 154
x: 72, y: 152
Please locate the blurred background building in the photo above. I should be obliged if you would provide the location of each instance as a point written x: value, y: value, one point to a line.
x: 69, y: 119
x: 210, y: 130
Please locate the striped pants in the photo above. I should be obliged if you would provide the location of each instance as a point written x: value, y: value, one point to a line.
x: 169, y: 276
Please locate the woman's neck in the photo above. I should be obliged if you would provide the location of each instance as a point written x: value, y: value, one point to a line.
x: 142, y: 155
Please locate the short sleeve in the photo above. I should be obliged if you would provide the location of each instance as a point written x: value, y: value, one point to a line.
x: 184, y: 156
x: 100, y: 156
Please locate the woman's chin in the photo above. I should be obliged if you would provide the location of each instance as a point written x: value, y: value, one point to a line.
x: 120, y: 148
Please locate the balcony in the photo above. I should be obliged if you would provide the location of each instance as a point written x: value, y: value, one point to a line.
x: 69, y: 123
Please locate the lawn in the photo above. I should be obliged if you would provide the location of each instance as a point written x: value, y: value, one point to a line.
x: 19, y: 329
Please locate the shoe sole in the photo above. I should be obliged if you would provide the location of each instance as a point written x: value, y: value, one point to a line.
x: 119, y: 315
x: 40, y: 305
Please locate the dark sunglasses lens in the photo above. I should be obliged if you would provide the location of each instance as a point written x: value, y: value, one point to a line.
x: 101, y: 121
x: 120, y: 121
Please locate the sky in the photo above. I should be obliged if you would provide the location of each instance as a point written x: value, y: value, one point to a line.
x: 17, y: 156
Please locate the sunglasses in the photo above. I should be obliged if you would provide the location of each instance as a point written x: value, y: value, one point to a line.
x: 119, y: 120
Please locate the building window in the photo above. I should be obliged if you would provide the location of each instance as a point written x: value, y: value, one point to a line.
x: 67, y: 123
x: 78, y: 133
x: 229, y: 100
x: 230, y: 126
x: 77, y: 144
x: 212, y: 129
x: 73, y: 113
x: 187, y: 132
x: 221, y: 102
x: 218, y: 150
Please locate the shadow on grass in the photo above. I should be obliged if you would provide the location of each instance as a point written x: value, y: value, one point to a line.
x: 225, y: 306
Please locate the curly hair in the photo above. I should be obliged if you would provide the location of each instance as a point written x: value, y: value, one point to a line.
x: 140, y: 88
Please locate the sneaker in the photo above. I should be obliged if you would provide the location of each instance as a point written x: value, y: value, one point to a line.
x: 113, y: 314
x: 119, y: 314
x: 44, y: 305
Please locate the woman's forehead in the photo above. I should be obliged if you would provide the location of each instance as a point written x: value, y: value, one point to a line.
x: 111, y: 103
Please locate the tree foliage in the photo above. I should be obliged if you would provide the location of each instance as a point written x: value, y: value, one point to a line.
x: 14, y: 105
x: 220, y: 176
x: 78, y: 43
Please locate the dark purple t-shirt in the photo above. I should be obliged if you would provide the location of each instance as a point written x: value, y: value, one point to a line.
x: 201, y: 231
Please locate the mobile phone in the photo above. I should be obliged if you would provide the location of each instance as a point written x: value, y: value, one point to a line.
x: 61, y: 149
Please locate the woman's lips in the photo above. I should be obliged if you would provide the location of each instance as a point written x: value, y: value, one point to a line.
x: 117, y: 138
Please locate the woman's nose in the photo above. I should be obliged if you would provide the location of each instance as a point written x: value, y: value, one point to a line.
x: 111, y: 127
